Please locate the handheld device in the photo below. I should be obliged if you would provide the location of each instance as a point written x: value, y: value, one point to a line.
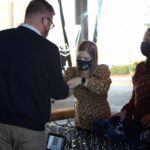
x: 55, y: 142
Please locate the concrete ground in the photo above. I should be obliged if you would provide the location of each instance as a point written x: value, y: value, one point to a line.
x: 119, y: 94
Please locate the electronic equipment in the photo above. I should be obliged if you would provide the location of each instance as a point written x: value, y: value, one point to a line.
x: 55, y: 142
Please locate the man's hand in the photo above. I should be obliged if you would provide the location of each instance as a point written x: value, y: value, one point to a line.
x: 73, y: 83
x: 146, y: 121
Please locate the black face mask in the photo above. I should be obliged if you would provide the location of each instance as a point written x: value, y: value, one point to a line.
x: 84, y: 65
x: 145, y: 48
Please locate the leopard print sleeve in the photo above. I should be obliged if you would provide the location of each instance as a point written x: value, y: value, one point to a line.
x: 100, y: 82
x: 69, y: 73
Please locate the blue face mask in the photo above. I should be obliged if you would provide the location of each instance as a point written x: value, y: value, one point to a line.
x: 84, y: 65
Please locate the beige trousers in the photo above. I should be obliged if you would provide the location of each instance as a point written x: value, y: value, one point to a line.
x: 17, y: 138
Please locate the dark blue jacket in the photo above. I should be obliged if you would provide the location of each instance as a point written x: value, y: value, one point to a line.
x: 30, y: 75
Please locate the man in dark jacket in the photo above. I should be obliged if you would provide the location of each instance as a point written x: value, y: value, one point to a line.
x: 30, y: 75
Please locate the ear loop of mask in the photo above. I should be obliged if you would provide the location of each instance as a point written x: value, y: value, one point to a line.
x: 46, y: 31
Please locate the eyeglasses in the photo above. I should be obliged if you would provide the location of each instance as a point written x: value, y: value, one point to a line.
x: 51, y: 22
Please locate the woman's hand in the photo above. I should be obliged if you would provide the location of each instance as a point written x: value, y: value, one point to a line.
x: 121, y: 114
x: 73, y: 83
x: 146, y: 121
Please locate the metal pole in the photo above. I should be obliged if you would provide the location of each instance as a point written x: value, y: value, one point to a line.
x: 82, y: 17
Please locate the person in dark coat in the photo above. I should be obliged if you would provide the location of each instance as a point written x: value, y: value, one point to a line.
x: 30, y: 76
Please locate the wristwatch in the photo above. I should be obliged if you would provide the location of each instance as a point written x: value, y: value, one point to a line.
x: 83, y: 80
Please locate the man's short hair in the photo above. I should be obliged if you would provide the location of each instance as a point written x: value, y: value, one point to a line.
x: 38, y: 7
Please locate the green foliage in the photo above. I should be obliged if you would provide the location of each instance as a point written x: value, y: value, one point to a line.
x: 123, y: 69
x: 147, y: 25
x: 119, y: 70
